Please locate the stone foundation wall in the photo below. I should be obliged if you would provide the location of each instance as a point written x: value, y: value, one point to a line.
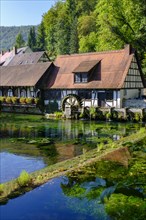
x: 21, y: 109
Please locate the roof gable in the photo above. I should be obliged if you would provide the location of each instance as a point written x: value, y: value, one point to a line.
x: 133, y: 78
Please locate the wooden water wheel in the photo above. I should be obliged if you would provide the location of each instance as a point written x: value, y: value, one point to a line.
x: 71, y: 104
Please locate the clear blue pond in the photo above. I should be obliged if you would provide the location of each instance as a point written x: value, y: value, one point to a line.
x: 49, y: 202
x: 12, y: 165
x: 55, y: 200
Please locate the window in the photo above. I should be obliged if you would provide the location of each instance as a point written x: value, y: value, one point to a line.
x: 32, y: 93
x: 10, y: 92
x: 23, y: 93
x: 81, y: 78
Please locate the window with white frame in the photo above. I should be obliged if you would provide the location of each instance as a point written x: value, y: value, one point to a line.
x: 32, y: 93
x: 81, y: 78
x: 10, y: 92
x: 23, y: 93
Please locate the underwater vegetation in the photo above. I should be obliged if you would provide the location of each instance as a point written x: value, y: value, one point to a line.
x: 120, y: 187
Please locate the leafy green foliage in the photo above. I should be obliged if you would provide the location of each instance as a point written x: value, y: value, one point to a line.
x: 86, y: 26
x: 24, y: 179
x: 19, y: 40
x: 40, y: 39
x: 1, y: 188
x: 32, y: 38
x: 121, y: 22
x: 123, y: 207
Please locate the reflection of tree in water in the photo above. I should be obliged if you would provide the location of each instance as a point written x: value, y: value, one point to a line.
x: 66, y: 130
x: 119, y: 194
x: 47, y: 146
x: 82, y: 202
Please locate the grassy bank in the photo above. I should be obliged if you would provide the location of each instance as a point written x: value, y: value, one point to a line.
x: 14, y: 188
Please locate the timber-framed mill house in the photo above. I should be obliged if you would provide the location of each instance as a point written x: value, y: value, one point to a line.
x: 99, y: 79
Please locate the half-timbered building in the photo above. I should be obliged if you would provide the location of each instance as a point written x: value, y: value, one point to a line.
x: 24, y: 80
x: 95, y: 79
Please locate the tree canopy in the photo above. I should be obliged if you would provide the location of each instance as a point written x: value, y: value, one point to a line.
x: 19, y: 40
x: 74, y: 26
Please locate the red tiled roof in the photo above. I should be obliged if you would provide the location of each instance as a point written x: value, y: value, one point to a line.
x: 110, y: 72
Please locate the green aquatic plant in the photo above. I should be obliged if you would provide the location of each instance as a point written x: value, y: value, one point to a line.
x: 1, y: 188
x: 138, y: 117
x: 24, y: 179
x: 58, y: 114
x: 124, y: 207
x: 108, y: 115
x: 92, y: 112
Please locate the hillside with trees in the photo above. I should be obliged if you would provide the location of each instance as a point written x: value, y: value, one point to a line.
x: 8, y: 35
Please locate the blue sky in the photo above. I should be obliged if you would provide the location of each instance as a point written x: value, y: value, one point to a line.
x: 23, y: 12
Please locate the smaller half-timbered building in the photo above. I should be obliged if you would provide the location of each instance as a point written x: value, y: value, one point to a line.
x: 24, y: 80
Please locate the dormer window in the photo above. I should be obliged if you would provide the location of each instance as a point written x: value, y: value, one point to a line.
x: 84, y: 70
x: 81, y: 77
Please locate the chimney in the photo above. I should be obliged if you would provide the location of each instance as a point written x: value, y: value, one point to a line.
x: 15, y: 50
x: 128, y: 48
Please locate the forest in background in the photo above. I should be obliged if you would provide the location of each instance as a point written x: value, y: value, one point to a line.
x: 8, y: 35
x: 77, y: 26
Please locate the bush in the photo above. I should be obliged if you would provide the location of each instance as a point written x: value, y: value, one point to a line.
x: 24, y: 179
x: 1, y: 188
x: 36, y: 100
x: 22, y: 100
x: 58, y: 114
x: 137, y: 117
x: 92, y: 112
x: 108, y: 115
x: 29, y: 100
x: 8, y: 100
x: 14, y: 99
x: 2, y: 99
